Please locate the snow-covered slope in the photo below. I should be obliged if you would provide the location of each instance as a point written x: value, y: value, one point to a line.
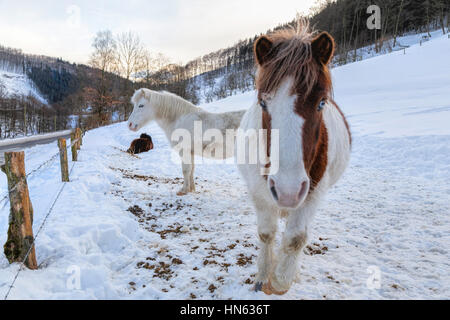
x: 402, y: 42
x: 398, y: 94
x: 19, y: 85
x: 211, y: 85
x: 120, y: 226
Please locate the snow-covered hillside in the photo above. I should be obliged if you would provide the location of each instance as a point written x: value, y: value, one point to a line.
x: 121, y: 227
x: 19, y: 85
x: 402, y: 42
x: 211, y: 85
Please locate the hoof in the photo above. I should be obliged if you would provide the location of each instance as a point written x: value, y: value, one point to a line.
x: 181, y: 193
x: 269, y: 290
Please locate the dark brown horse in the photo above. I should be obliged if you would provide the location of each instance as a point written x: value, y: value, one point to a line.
x: 143, y: 144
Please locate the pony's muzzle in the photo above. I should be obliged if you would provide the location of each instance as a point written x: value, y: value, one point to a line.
x: 289, y: 198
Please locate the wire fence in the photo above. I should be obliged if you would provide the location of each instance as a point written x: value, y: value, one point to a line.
x: 32, y: 172
x: 61, y: 189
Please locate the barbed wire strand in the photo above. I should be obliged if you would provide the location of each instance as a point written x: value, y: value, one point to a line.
x: 40, y: 229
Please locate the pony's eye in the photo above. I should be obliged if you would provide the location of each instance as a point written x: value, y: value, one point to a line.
x: 141, y: 106
x: 263, y: 105
x: 321, y: 105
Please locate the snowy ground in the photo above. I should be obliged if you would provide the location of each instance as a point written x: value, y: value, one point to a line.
x: 121, y: 225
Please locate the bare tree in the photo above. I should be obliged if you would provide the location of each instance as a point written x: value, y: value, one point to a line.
x: 104, y: 55
x: 130, y: 54
x: 2, y: 90
x: 130, y: 60
x: 161, y: 61
x: 148, y: 63
x: 427, y: 16
x: 441, y: 8
x: 160, y: 72
x: 104, y: 59
x: 397, y: 22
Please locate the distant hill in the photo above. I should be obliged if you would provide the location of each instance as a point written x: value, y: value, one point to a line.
x: 52, y: 77
x: 16, y: 85
x: 41, y: 94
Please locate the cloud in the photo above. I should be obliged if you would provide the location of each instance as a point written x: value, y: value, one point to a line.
x: 179, y: 28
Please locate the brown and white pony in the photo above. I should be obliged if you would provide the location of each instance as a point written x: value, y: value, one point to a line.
x: 294, y: 97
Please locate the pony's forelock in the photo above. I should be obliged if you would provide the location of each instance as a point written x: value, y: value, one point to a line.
x: 292, y: 57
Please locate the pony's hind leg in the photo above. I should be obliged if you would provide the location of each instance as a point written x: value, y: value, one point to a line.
x: 192, y: 181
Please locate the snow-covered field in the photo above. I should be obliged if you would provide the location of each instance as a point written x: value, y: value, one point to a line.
x: 19, y: 85
x: 120, y: 226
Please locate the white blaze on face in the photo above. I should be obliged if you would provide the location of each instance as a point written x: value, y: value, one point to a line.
x: 290, y: 185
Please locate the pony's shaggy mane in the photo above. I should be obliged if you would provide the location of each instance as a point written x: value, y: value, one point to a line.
x: 292, y: 56
x: 167, y: 105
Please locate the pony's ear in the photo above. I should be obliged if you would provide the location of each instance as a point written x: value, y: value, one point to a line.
x: 263, y: 48
x: 143, y: 94
x: 323, y: 48
x: 138, y: 94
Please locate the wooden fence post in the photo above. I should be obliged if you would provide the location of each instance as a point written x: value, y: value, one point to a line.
x: 20, y: 232
x: 81, y: 136
x: 78, y: 135
x: 73, y: 138
x: 63, y: 160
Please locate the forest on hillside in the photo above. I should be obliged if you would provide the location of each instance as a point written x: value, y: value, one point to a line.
x: 98, y: 93
x: 70, y: 90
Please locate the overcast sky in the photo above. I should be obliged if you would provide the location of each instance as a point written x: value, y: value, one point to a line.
x: 181, y: 29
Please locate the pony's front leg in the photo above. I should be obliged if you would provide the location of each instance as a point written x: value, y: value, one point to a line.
x: 267, y: 217
x: 294, y: 240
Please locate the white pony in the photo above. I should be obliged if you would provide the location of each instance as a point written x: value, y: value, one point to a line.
x: 294, y: 97
x: 172, y: 112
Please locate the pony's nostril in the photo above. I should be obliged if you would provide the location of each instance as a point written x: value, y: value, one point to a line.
x: 273, y: 190
x: 274, y: 193
x: 132, y: 126
x: 303, y: 190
